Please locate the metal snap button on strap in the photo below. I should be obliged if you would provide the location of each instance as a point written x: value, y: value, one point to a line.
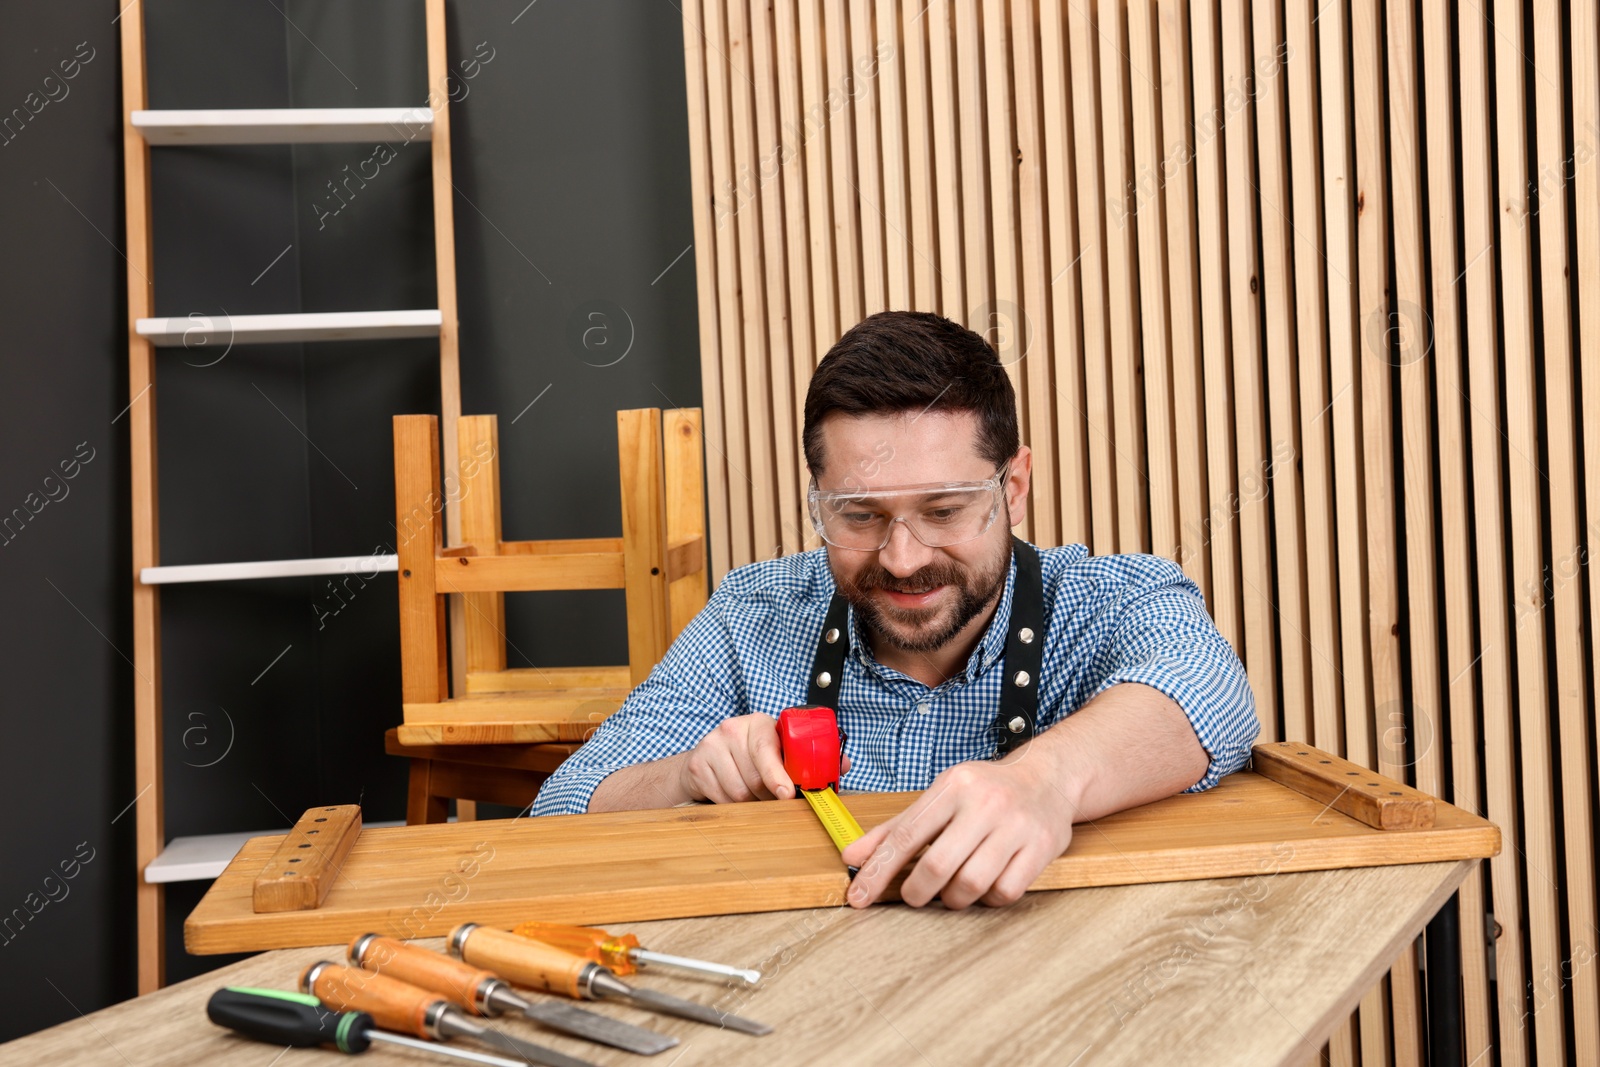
x: 1017, y: 725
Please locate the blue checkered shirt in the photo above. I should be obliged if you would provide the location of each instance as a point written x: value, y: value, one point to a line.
x: 1108, y: 620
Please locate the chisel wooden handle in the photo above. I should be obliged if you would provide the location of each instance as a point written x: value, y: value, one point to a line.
x: 393, y: 1004
x: 417, y: 966
x: 521, y: 961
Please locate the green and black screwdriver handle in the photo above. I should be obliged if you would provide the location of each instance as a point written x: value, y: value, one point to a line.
x: 281, y: 1017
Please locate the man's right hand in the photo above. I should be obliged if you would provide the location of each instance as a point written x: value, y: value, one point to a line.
x: 739, y: 760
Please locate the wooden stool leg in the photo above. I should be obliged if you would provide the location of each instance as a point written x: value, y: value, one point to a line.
x: 421, y: 805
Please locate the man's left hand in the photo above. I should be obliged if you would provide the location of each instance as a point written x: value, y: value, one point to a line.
x: 993, y: 828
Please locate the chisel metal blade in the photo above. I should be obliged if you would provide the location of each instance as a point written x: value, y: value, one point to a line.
x: 700, y: 1013
x: 527, y: 1051
x: 599, y: 1028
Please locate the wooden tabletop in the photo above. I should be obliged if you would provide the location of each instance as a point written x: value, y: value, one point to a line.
x: 1254, y: 970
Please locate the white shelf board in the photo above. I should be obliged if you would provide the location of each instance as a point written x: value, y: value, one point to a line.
x: 204, y: 331
x: 307, y: 125
x: 276, y: 568
x: 202, y: 858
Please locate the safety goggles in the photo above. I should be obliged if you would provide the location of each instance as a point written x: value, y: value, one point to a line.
x: 939, y: 515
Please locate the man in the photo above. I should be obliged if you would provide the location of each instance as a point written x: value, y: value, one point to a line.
x: 1023, y: 691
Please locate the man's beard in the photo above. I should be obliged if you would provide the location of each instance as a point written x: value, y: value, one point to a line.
x: 974, y: 591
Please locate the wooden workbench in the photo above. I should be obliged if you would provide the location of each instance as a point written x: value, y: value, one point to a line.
x: 1254, y: 970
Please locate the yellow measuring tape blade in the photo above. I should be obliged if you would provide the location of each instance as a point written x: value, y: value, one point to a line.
x: 835, y: 817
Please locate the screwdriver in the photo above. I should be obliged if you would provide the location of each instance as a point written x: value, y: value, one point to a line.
x: 622, y: 954
x: 396, y: 1006
x: 541, y: 966
x: 484, y: 993
x: 283, y: 1018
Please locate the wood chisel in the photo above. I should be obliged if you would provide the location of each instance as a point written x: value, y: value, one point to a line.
x: 813, y: 758
x: 299, y: 1020
x: 544, y: 967
x: 622, y: 953
x: 397, y: 1006
x: 485, y: 993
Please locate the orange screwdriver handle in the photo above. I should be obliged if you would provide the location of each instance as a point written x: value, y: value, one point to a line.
x: 608, y: 950
x: 417, y: 966
x: 520, y: 961
x: 393, y: 1004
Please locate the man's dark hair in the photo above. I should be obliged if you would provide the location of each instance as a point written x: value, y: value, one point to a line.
x: 898, y: 361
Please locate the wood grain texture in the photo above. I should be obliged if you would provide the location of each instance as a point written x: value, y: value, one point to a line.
x: 149, y: 812
x: 1124, y: 975
x: 1368, y: 796
x: 299, y: 874
x: 483, y: 614
x: 630, y: 866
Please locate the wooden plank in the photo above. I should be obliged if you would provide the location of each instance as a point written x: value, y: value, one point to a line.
x: 1585, y: 22
x: 1038, y: 398
x: 1383, y: 599
x: 1091, y: 267
x: 796, y: 132
x: 814, y: 99
x: 922, y: 198
x: 297, y: 125
x: 529, y: 573
x: 1278, y: 284
x: 976, y: 233
x: 1363, y: 794
x: 510, y: 718
x: 1244, y: 308
x: 656, y: 864
x: 706, y: 286
x: 1215, y: 530
x: 556, y: 547
x: 187, y: 331
x: 952, y: 297
x: 1177, y: 178
x: 731, y: 202
x: 1122, y: 284
x: 1569, y: 548
x: 1002, y: 319
x: 758, y: 265
x: 149, y: 809
x: 307, y: 861
x: 1062, y: 286
x: 484, y: 614
x: 444, y: 252
x: 778, y: 404
x: 683, y: 452
x: 685, y: 557
x: 1340, y: 213
x: 644, y: 520
x: 1455, y: 574
x: 1480, y: 213
x: 869, y: 170
x: 835, y: 44
x: 522, y: 679
x: 419, y: 529
x: 1523, y: 478
x: 1149, y: 229
x: 1232, y: 1003
x: 1310, y: 308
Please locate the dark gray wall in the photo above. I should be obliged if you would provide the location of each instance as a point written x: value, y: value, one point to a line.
x: 571, y: 168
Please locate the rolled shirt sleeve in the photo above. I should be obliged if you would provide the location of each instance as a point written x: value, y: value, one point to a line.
x: 1166, y: 639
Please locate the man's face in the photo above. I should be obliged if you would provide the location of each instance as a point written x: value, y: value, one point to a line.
x: 910, y: 596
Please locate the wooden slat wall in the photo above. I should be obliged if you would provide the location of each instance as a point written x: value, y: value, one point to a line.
x: 1294, y: 292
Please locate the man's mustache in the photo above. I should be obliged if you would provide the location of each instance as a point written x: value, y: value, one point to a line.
x: 878, y: 578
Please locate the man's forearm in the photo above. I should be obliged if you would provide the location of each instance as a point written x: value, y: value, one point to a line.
x: 657, y: 784
x: 1128, y: 746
